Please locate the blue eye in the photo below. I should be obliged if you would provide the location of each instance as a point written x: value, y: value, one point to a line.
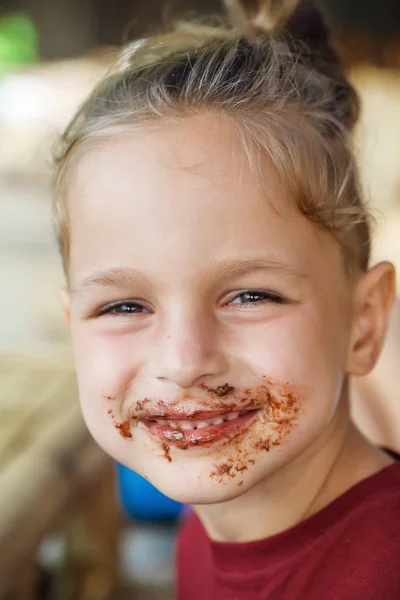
x: 124, y: 308
x: 256, y: 297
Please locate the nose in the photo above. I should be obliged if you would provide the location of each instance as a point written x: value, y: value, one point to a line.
x: 189, y: 351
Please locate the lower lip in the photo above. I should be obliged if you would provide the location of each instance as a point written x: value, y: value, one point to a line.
x: 205, y: 436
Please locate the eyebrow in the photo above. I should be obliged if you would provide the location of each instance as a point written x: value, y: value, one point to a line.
x: 240, y: 267
x: 124, y: 276
x: 111, y: 277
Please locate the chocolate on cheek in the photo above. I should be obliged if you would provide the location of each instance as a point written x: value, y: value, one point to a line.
x: 271, y: 429
x: 124, y: 426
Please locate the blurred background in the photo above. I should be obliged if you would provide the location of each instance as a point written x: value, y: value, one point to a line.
x: 72, y: 524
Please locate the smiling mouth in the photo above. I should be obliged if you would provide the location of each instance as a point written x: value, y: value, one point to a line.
x: 205, y: 429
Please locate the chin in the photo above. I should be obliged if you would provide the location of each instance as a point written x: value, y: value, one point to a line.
x: 195, y: 489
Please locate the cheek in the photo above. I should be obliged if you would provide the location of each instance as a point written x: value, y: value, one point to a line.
x: 303, y: 348
x: 105, y: 366
x: 104, y: 361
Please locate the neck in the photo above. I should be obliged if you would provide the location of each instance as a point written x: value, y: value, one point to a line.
x: 329, y: 467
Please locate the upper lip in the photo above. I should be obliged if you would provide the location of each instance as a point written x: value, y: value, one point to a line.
x: 196, y: 415
x: 196, y: 406
x: 178, y: 413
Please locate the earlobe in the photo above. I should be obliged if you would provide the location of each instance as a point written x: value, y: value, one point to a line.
x: 373, y: 301
x: 65, y: 303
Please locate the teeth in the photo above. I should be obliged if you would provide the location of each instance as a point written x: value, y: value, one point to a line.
x: 187, y: 425
x: 232, y: 416
x: 176, y: 435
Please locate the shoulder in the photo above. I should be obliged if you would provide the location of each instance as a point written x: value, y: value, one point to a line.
x: 377, y: 497
x: 363, y: 542
x: 351, y: 548
x: 372, y: 508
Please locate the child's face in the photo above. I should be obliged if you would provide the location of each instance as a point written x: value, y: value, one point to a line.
x: 196, y: 297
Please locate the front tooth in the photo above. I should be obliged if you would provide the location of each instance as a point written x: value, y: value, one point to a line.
x: 202, y: 424
x: 172, y: 424
x: 232, y: 416
x: 187, y: 425
x: 217, y: 421
x: 160, y: 421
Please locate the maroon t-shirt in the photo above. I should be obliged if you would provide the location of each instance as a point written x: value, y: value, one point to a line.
x: 350, y: 550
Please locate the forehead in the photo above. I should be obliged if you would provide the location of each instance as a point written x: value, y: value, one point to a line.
x: 182, y: 193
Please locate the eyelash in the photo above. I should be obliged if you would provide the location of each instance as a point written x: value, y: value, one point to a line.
x: 266, y: 297
x: 116, y: 309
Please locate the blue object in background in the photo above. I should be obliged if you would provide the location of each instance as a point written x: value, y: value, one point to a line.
x: 142, y: 501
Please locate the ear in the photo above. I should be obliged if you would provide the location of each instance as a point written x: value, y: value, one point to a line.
x: 373, y: 299
x: 65, y: 303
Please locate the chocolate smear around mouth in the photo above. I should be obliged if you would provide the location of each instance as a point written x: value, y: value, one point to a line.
x: 220, y: 391
x: 166, y: 452
x: 124, y: 429
x: 278, y: 404
x: 277, y: 419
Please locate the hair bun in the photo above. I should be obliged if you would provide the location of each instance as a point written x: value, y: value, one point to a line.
x: 261, y: 16
x: 307, y: 29
x: 309, y: 38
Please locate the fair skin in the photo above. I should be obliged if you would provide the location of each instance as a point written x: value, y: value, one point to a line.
x: 375, y: 398
x: 218, y: 282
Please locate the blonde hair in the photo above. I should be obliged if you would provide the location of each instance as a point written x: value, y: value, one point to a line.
x: 274, y: 75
